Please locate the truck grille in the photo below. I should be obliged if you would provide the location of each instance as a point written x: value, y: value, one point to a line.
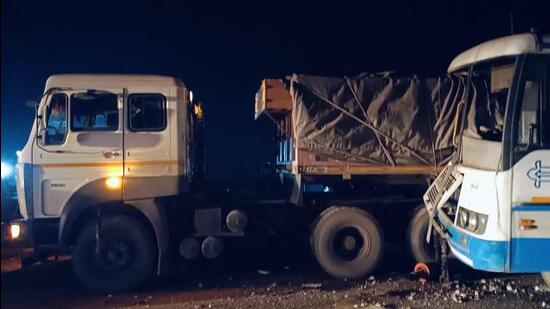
x: 442, y: 188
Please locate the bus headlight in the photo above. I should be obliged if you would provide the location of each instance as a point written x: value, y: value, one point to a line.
x: 472, y: 221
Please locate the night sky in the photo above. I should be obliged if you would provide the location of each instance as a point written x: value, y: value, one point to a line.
x: 222, y: 51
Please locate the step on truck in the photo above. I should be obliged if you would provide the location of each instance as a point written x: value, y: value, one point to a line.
x: 491, y: 204
x: 112, y: 172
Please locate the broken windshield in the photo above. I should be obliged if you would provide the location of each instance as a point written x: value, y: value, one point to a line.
x: 490, y: 87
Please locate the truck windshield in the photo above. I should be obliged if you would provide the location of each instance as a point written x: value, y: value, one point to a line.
x: 489, y: 93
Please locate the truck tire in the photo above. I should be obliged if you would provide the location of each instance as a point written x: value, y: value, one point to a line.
x: 546, y: 278
x: 347, y: 242
x: 126, y: 255
x: 419, y: 249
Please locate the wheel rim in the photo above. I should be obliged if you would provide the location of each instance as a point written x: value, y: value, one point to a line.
x: 114, y: 256
x: 349, y: 242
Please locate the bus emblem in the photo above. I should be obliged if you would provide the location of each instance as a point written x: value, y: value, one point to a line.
x: 539, y: 173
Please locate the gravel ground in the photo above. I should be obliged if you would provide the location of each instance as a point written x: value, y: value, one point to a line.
x: 276, y: 281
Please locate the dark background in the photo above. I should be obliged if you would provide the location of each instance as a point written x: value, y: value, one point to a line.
x: 222, y: 50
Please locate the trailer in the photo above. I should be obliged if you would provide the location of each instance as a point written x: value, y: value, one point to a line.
x: 112, y: 172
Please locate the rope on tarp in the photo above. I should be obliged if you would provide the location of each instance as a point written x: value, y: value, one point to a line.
x: 359, y: 103
x: 414, y: 153
x: 430, y: 122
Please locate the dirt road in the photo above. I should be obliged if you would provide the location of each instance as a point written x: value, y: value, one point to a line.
x: 276, y: 280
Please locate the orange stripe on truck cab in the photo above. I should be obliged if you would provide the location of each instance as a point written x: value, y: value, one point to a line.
x: 118, y: 164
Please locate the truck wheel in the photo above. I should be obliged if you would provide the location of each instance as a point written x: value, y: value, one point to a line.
x: 347, y: 242
x: 125, y: 258
x: 546, y: 278
x: 419, y: 249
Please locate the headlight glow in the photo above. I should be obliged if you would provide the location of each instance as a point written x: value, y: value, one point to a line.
x: 7, y: 170
x: 15, y: 231
x: 113, y: 183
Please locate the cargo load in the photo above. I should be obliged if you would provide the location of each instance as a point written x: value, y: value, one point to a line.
x: 368, y: 124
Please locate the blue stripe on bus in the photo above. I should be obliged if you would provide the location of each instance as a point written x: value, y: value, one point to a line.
x: 488, y: 255
x: 531, y: 207
x: 530, y: 255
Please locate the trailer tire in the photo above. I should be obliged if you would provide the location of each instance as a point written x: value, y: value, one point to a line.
x: 347, y: 242
x: 126, y: 256
x: 419, y: 249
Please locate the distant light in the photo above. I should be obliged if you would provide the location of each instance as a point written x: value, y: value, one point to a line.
x: 327, y: 189
x: 15, y: 231
x: 113, y: 183
x: 191, y: 96
x: 7, y: 170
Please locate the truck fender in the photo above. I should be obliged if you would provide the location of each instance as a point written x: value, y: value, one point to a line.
x: 93, y: 194
x: 159, y: 221
x: 87, y: 196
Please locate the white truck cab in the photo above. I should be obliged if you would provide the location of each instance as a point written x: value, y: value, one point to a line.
x: 492, y: 204
x: 100, y: 142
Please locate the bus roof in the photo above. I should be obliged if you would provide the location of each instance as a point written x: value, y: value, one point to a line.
x: 91, y: 81
x: 506, y: 46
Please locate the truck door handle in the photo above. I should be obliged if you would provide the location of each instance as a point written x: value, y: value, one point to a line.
x: 110, y: 154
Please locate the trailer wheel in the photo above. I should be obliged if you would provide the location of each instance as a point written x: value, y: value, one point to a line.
x: 419, y: 249
x: 546, y: 278
x: 347, y: 242
x: 124, y: 259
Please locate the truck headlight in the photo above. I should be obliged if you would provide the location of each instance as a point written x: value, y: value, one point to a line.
x: 15, y: 231
x: 472, y: 221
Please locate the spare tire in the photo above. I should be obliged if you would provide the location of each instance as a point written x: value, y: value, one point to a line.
x: 419, y: 249
x: 125, y: 259
x: 347, y: 242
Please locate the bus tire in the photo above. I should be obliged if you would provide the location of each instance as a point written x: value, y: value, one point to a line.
x: 125, y: 259
x: 347, y: 242
x: 419, y: 249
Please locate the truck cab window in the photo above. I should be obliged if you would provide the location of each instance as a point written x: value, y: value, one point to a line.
x: 56, y: 120
x: 94, y: 111
x: 147, y: 112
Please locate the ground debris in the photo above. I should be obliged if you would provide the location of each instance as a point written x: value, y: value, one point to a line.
x: 312, y: 285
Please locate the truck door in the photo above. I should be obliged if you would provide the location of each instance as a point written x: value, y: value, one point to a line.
x: 530, y: 166
x: 78, y: 145
x: 147, y: 155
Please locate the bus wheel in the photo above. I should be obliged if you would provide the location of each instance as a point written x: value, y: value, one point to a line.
x: 546, y: 278
x: 347, y: 242
x: 123, y: 260
x: 419, y: 249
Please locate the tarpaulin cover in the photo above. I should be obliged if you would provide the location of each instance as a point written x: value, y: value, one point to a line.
x: 382, y: 119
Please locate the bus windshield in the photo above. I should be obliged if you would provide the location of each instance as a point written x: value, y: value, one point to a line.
x: 490, y: 84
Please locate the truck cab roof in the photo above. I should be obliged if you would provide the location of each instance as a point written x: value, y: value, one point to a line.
x: 91, y: 81
x: 505, y: 46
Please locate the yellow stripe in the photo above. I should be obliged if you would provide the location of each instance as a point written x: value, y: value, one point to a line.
x: 111, y: 164
x: 541, y: 199
x: 82, y: 164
